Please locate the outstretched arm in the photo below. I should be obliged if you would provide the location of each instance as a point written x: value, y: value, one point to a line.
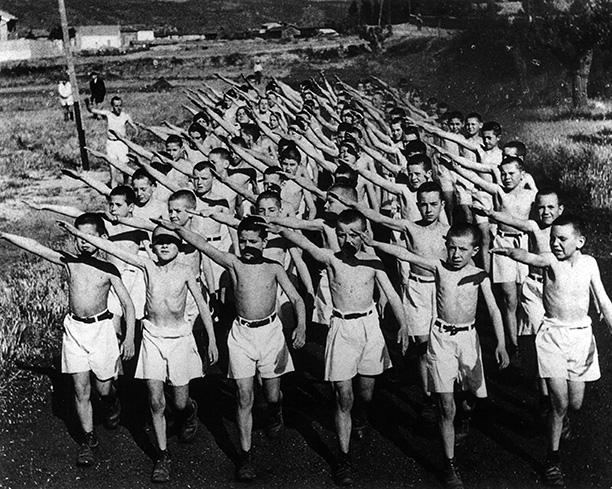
x: 524, y: 256
x: 122, y: 167
x: 524, y: 225
x: 321, y: 255
x: 33, y: 246
x: 97, y: 185
x: 400, y: 253
x: 64, y: 210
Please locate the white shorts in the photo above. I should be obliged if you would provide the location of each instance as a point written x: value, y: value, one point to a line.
x: 133, y: 279
x: 503, y: 268
x: 117, y: 150
x: 567, y: 351
x: 90, y: 346
x: 531, y: 310
x: 419, y: 298
x: 168, y: 355
x: 355, y: 347
x: 262, y: 349
x: 455, y: 357
x: 322, y: 304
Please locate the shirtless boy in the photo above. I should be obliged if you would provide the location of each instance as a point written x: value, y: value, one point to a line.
x: 453, y: 355
x: 256, y: 343
x: 355, y: 345
x: 567, y: 354
x: 168, y: 354
x: 89, y: 344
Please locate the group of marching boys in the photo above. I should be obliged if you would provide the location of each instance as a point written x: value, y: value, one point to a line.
x: 276, y: 208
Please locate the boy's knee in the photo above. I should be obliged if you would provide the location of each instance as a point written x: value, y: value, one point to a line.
x: 446, y: 408
x: 245, y: 399
x: 344, y: 399
x: 157, y: 404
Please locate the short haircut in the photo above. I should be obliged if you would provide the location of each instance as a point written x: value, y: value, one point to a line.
x: 463, y: 229
x: 195, y: 127
x: 548, y: 191
x: 347, y: 173
x: 420, y: 159
x: 185, y: 195
x: 174, y: 139
x: 443, y: 105
x: 397, y: 120
x: 397, y: 112
x: 474, y: 115
x: 455, y: 114
x: 300, y: 124
x: 223, y: 153
x: 142, y: 174
x: 429, y: 187
x: 350, y: 216
x: 284, y: 144
x: 239, y: 141
x: 116, y: 98
x: 251, y: 130
x: 519, y: 147
x: 416, y: 147
x: 203, y: 165
x: 201, y: 116
x: 92, y: 219
x: 273, y: 170
x: 351, y: 148
x: 508, y: 160
x: 345, y: 127
x: 342, y: 186
x: 409, y: 129
x: 571, y: 220
x: 254, y: 223
x: 290, y: 153
x: 271, y: 195
x: 124, y: 191
x: 492, y: 126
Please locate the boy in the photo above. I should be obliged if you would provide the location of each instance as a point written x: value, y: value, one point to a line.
x: 355, y: 345
x: 89, y: 344
x: 168, y: 354
x: 567, y: 354
x: 256, y: 343
x: 453, y: 354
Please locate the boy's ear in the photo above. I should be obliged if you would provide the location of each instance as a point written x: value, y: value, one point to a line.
x: 475, y: 251
x: 581, y: 242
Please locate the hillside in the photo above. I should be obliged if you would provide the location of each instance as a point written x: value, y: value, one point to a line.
x: 189, y: 16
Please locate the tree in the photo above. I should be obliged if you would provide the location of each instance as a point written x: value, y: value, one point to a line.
x: 572, y: 30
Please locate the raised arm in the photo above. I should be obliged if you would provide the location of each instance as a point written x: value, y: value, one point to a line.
x: 523, y: 256
x: 33, y: 246
x: 297, y: 223
x: 97, y: 185
x: 400, y: 253
x: 64, y: 210
x: 307, y: 184
x: 321, y: 255
x: 122, y: 167
x: 136, y: 148
x: 524, y: 225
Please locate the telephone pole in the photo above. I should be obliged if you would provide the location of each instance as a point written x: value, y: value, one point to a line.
x: 73, y: 83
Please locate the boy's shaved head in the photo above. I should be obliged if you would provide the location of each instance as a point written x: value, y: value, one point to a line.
x: 352, y: 215
x: 186, y: 196
x: 465, y: 229
x: 344, y: 189
x: 92, y: 219
x: 569, y: 220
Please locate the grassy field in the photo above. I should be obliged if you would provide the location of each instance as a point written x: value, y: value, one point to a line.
x: 569, y: 152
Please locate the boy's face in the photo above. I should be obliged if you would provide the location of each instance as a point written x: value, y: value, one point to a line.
x: 346, y: 155
x: 143, y: 190
x: 349, y: 240
x: 509, y: 151
x: 511, y: 175
x: 333, y: 206
x: 177, y: 210
x: 117, y: 206
x: 221, y: 165
x: 175, y: 150
x: 83, y: 247
x: 164, y: 249
x: 430, y: 206
x: 272, y: 179
x: 196, y: 136
x: 290, y: 165
x: 489, y: 140
x: 548, y: 208
x: 396, y: 132
x: 251, y: 244
x: 263, y: 106
x: 455, y: 125
x: 417, y: 176
x: 268, y: 208
x: 472, y: 126
x: 565, y: 241
x: 202, y: 181
x: 117, y: 107
x: 241, y: 116
x: 460, y: 251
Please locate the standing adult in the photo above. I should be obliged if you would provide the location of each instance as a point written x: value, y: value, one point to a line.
x: 97, y: 90
x: 64, y: 88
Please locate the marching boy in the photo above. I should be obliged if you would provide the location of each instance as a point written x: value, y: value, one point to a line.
x: 89, y: 343
x: 168, y: 353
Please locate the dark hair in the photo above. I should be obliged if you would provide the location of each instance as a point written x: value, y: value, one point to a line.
x: 269, y: 194
x: 116, y: 98
x: 455, y: 114
x: 174, y: 139
x: 420, y: 159
x: 350, y: 216
x: 492, y: 126
x: 548, y: 191
x: 570, y: 220
x: 141, y: 174
x: 290, y: 153
x: 397, y: 112
x: 273, y: 170
x: 124, y: 191
x: 416, y: 147
x: 253, y: 223
x: 410, y: 129
x: 474, y: 115
x: 345, y: 127
x: 203, y: 165
x: 251, y: 130
x: 186, y: 195
x: 223, y: 153
x: 508, y: 160
x: 462, y: 229
x: 92, y: 219
x: 195, y: 127
x: 428, y: 187
x: 521, y: 149
x: 201, y: 115
x: 347, y: 173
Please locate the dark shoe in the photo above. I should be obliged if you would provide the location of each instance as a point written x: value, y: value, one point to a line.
x: 190, y: 426
x: 553, y: 477
x: 245, y: 472
x: 461, y: 432
x: 359, y: 432
x: 566, y: 430
x: 161, y: 471
x: 451, y: 477
x: 85, y: 456
x: 429, y: 413
x: 274, y: 424
x: 343, y: 473
x: 112, y: 413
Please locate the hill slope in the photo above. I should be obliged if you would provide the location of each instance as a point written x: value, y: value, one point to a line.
x: 189, y: 16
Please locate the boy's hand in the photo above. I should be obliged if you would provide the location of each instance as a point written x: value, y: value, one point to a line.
x: 203, y: 212
x: 127, y: 349
x: 68, y: 227
x: 502, y: 357
x: 501, y: 251
x: 299, y: 337
x: 480, y: 208
x: 166, y: 224
x: 366, y: 238
x: 403, y: 338
x: 272, y: 228
x: 213, y: 352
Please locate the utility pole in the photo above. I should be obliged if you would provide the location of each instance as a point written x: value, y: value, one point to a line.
x: 73, y: 83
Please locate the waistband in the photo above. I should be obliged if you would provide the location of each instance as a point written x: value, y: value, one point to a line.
x: 352, y: 315
x: 507, y: 234
x: 258, y: 323
x: 93, y: 319
x: 183, y: 329
x: 421, y: 279
x: 583, y: 323
x: 453, y: 329
x: 536, y: 277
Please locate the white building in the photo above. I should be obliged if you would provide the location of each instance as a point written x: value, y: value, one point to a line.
x: 96, y: 37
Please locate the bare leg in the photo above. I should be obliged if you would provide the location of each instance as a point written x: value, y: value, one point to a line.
x: 82, y: 401
x: 244, y: 414
x: 157, y: 404
x: 447, y: 410
x: 510, y: 303
x: 559, y: 397
x: 344, y: 403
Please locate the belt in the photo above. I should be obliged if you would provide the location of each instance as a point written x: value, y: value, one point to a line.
x: 537, y: 278
x: 453, y: 329
x: 351, y: 315
x: 93, y: 319
x: 213, y: 238
x: 421, y: 279
x: 505, y: 234
x: 257, y: 323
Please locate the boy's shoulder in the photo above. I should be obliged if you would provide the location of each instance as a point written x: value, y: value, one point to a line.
x: 96, y: 263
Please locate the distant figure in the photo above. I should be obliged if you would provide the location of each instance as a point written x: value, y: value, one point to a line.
x: 64, y: 89
x: 97, y: 90
x: 419, y: 22
x: 258, y: 70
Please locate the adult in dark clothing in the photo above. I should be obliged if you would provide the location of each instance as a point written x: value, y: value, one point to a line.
x: 97, y: 90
